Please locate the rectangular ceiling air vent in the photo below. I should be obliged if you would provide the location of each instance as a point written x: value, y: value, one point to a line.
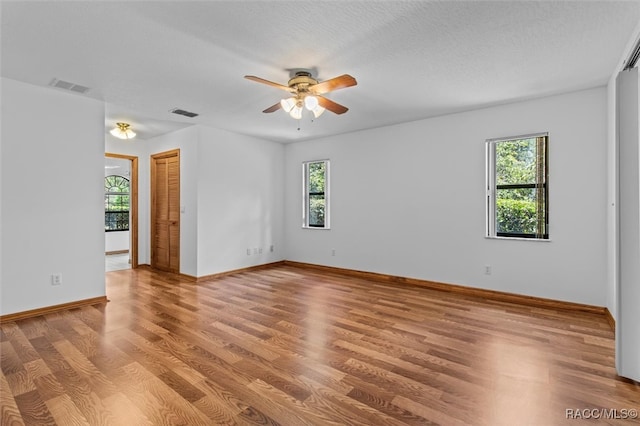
x: 183, y: 112
x: 61, y: 84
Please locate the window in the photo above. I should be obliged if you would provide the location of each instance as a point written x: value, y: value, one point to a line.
x: 517, y: 187
x: 116, y: 203
x: 315, y: 211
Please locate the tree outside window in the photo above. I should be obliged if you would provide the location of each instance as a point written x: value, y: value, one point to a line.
x: 518, y: 187
x: 316, y: 195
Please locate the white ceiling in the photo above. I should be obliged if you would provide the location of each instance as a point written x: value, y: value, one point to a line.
x: 412, y: 59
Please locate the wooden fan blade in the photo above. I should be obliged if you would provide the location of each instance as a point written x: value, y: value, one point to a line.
x: 267, y: 82
x: 331, y: 106
x: 336, y: 83
x: 273, y: 108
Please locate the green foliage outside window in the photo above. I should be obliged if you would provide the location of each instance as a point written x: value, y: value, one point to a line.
x: 317, y: 204
x: 516, y: 216
x: 520, y: 181
x: 516, y: 162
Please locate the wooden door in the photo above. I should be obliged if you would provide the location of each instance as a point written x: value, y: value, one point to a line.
x: 165, y: 211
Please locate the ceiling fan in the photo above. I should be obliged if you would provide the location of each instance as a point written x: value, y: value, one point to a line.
x: 306, y: 92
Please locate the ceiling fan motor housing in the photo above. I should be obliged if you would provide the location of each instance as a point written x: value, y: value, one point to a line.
x: 301, y: 81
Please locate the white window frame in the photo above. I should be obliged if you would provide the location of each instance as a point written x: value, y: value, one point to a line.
x: 491, y: 222
x: 306, y: 195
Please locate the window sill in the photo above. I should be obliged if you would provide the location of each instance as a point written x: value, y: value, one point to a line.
x: 317, y: 228
x: 537, y: 240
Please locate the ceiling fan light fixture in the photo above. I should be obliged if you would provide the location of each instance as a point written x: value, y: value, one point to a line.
x: 288, y: 104
x: 122, y: 131
x: 310, y: 102
x: 296, y: 112
x: 317, y: 111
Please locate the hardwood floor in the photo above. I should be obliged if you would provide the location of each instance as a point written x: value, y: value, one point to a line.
x: 292, y: 346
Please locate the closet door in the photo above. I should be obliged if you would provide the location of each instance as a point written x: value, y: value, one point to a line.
x: 165, y: 211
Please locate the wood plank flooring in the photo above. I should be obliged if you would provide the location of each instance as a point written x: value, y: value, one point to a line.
x: 292, y: 346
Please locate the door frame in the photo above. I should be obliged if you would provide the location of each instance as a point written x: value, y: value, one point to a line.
x: 152, y: 186
x: 133, y: 206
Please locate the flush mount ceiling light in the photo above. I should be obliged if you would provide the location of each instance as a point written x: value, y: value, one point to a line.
x: 123, y: 131
x: 306, y: 94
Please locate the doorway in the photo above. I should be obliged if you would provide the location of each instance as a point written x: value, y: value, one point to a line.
x: 115, y: 219
x: 165, y: 211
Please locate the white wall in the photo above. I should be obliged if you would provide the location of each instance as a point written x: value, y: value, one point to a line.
x: 116, y: 241
x: 409, y: 200
x: 52, y: 197
x: 231, y: 193
x: 240, y: 199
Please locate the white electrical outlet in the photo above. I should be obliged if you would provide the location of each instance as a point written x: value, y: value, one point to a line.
x: 248, y: 252
x: 56, y: 279
x: 271, y: 248
x: 333, y: 252
x: 260, y: 250
x: 255, y: 250
x: 487, y: 269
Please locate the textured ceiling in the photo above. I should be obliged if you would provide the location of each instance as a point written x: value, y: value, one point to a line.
x: 412, y: 59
